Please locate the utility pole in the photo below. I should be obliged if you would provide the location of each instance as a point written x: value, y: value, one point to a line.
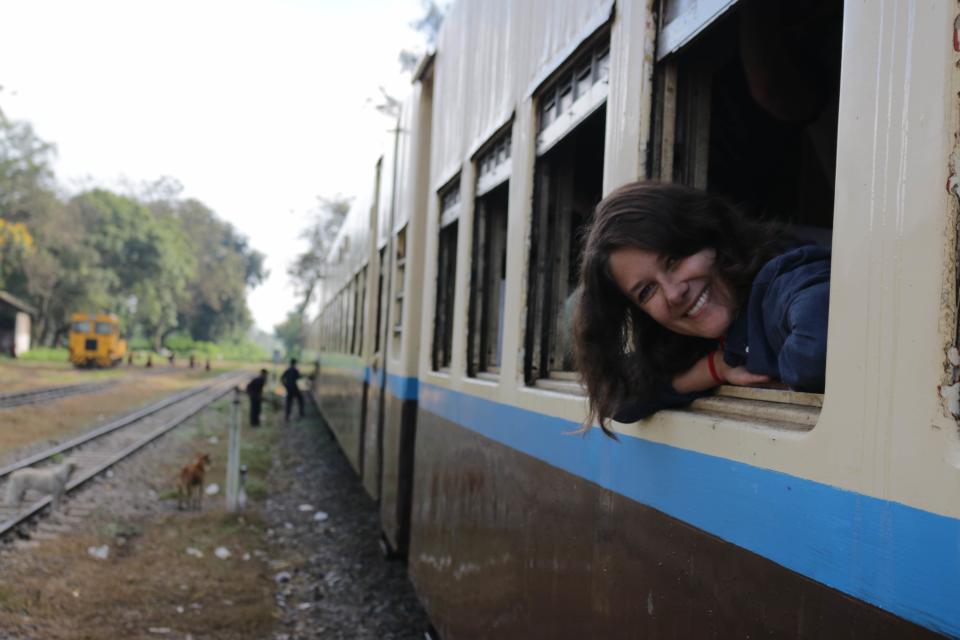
x: 233, y: 456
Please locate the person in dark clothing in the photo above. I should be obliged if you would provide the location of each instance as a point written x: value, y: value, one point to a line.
x: 289, y: 382
x: 255, y: 391
x: 702, y: 296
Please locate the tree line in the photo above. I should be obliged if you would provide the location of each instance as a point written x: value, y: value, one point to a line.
x: 161, y: 262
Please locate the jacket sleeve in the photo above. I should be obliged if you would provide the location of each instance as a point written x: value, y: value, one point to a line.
x: 803, y: 356
x: 632, y: 410
x: 795, y: 319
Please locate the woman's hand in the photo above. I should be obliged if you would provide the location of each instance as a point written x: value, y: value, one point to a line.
x: 738, y: 376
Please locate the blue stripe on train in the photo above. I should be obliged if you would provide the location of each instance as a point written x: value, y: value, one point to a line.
x: 403, y: 387
x: 896, y: 557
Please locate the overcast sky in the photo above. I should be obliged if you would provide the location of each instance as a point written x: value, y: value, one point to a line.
x: 256, y: 107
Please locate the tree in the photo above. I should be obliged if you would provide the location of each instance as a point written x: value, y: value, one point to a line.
x: 290, y: 333
x: 308, y: 269
x: 146, y: 255
x: 427, y: 25
x: 25, y: 168
x: 215, y: 307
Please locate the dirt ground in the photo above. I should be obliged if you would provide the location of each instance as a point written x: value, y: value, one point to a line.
x: 301, y: 562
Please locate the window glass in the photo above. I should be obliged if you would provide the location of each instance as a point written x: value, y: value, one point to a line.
x: 104, y: 328
x: 82, y: 326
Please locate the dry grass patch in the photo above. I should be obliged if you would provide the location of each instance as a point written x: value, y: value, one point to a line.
x: 21, y: 375
x: 59, y: 591
x: 148, y: 581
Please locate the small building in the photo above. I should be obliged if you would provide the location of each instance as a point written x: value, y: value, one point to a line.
x: 15, y: 316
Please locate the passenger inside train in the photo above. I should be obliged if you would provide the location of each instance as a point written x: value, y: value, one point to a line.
x: 680, y: 293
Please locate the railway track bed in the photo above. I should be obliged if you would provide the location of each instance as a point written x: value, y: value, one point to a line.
x: 48, y: 394
x: 96, y: 451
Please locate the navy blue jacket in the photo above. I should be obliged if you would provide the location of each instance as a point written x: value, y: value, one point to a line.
x: 780, y: 332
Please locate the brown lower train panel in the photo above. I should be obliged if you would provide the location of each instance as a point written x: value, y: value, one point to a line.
x: 506, y: 546
x: 399, y: 434
x: 342, y: 398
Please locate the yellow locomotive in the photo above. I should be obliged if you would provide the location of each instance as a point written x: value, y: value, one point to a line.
x: 94, y: 340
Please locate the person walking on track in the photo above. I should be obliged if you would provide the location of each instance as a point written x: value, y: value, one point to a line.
x: 289, y: 381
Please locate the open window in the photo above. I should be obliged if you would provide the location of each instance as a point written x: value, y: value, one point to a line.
x: 446, y: 274
x: 746, y: 104
x: 568, y: 185
x: 400, y: 270
x: 381, y: 291
x: 488, y: 273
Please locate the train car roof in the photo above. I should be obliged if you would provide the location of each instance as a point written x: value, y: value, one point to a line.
x: 482, y: 72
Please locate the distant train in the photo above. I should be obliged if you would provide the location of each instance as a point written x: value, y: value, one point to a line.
x: 443, y: 328
x: 94, y: 340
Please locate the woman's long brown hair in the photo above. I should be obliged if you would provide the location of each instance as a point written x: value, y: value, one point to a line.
x: 621, y: 352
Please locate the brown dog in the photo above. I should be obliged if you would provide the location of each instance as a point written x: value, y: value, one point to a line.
x: 191, y: 481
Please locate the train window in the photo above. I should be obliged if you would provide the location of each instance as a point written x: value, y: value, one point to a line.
x: 746, y: 107
x: 446, y: 274
x: 400, y: 268
x: 380, y: 292
x: 568, y: 184
x: 362, y: 283
x: 81, y: 327
x: 488, y: 274
x: 354, y: 315
x: 104, y: 329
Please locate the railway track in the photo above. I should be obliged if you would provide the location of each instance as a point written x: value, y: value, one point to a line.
x: 46, y: 394
x: 96, y: 451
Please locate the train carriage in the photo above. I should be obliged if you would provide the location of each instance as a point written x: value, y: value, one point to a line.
x: 403, y: 313
x: 342, y: 328
x: 753, y: 511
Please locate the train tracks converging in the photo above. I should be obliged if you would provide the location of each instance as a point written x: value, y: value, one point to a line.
x: 46, y: 394
x: 96, y: 451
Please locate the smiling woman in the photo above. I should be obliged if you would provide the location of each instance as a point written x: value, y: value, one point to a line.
x: 681, y: 293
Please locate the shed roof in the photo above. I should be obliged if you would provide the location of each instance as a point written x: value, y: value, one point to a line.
x: 17, y: 303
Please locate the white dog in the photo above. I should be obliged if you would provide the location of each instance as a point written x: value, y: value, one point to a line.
x: 48, y: 480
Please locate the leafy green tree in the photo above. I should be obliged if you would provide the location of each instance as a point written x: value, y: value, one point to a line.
x: 216, y: 305
x: 146, y: 255
x: 290, y: 333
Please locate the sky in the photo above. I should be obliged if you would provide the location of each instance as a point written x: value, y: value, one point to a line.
x: 256, y: 107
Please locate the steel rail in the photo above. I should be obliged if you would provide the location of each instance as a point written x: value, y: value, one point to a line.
x: 215, y: 390
x: 34, y: 396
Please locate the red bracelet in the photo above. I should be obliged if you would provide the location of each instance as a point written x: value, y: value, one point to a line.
x: 713, y: 369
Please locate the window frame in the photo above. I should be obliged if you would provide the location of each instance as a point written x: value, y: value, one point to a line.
x: 448, y: 198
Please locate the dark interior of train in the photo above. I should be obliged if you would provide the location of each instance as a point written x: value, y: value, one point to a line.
x: 488, y: 280
x: 569, y: 185
x: 757, y: 104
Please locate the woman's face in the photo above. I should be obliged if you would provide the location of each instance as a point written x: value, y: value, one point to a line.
x: 685, y: 295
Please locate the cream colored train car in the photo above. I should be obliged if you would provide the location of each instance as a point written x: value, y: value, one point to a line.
x: 753, y: 512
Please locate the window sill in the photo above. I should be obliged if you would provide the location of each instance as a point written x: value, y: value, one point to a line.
x: 569, y: 387
x: 778, y: 409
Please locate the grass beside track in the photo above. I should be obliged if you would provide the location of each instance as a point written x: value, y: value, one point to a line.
x: 26, y: 425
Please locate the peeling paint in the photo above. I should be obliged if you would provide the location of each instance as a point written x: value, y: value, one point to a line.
x: 951, y: 396
x: 956, y: 33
